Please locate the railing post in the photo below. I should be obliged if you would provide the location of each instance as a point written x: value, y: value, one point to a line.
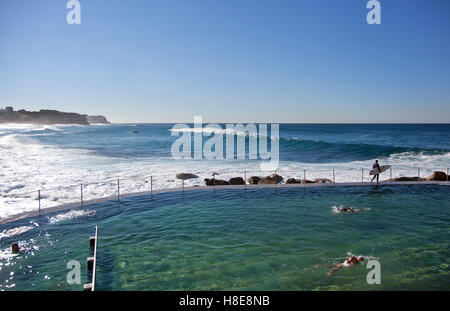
x: 334, y: 177
x: 362, y: 175
x: 39, y: 199
x: 118, y: 189
x: 245, y: 179
x: 81, y: 192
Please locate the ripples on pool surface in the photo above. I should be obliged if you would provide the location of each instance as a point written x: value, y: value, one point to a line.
x: 258, y: 239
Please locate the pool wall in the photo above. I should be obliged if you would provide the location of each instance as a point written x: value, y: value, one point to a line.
x: 213, y: 188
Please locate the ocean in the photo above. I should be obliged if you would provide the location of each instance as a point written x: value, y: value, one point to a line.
x: 57, y: 159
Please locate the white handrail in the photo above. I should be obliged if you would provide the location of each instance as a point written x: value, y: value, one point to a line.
x: 95, y: 258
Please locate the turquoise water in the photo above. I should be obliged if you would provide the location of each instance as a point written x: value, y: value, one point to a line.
x: 254, y: 239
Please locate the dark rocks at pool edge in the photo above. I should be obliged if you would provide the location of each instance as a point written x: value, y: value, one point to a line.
x: 237, y: 181
x: 436, y: 176
x: 407, y: 179
x: 216, y: 182
x: 254, y: 180
x: 272, y: 179
x: 276, y: 179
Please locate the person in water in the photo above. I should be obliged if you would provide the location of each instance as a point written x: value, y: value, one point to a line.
x: 346, y: 210
x: 350, y: 262
x: 374, y: 166
x: 15, y: 247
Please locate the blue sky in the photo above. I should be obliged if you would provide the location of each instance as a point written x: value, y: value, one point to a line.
x: 229, y: 61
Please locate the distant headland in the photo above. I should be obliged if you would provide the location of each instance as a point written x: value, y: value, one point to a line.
x: 43, y: 116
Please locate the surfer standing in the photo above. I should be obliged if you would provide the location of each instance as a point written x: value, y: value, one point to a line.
x: 376, y: 166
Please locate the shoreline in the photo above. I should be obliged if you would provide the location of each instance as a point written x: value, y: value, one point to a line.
x: 69, y: 206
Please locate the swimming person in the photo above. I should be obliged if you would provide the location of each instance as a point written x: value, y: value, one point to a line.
x: 374, y: 166
x: 343, y: 209
x: 15, y: 247
x: 350, y: 262
x: 348, y: 210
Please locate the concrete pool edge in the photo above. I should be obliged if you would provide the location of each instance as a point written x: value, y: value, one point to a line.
x: 68, y: 206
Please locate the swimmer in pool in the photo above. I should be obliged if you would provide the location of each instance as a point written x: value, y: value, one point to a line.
x: 350, y: 262
x: 345, y: 210
x: 15, y: 248
x: 348, y: 210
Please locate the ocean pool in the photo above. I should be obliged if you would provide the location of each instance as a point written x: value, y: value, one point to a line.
x: 236, y: 239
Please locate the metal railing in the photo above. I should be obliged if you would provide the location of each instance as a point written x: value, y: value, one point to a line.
x: 147, y: 183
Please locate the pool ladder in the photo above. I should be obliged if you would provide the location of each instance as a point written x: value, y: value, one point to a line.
x: 92, y: 262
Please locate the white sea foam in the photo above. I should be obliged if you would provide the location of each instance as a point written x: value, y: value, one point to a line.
x: 28, y: 165
x: 224, y: 131
x: 15, y: 231
x: 71, y: 215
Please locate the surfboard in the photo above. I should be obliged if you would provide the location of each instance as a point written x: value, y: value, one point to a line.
x: 382, y: 168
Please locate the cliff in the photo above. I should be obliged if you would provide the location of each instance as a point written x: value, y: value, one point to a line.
x: 97, y: 119
x: 43, y: 116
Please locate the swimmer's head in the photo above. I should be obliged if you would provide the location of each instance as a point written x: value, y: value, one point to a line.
x: 15, y: 247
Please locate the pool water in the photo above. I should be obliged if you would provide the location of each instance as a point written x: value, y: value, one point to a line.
x: 235, y: 239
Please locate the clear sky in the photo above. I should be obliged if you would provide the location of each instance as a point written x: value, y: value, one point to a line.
x: 229, y: 60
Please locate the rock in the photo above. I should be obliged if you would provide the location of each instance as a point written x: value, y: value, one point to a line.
x: 267, y: 181
x: 407, y: 179
x: 97, y: 120
x: 301, y: 181
x: 322, y: 181
x: 216, y: 182
x: 272, y: 179
x: 186, y: 176
x: 254, y: 180
x: 293, y: 181
x: 237, y: 181
x: 437, y: 176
